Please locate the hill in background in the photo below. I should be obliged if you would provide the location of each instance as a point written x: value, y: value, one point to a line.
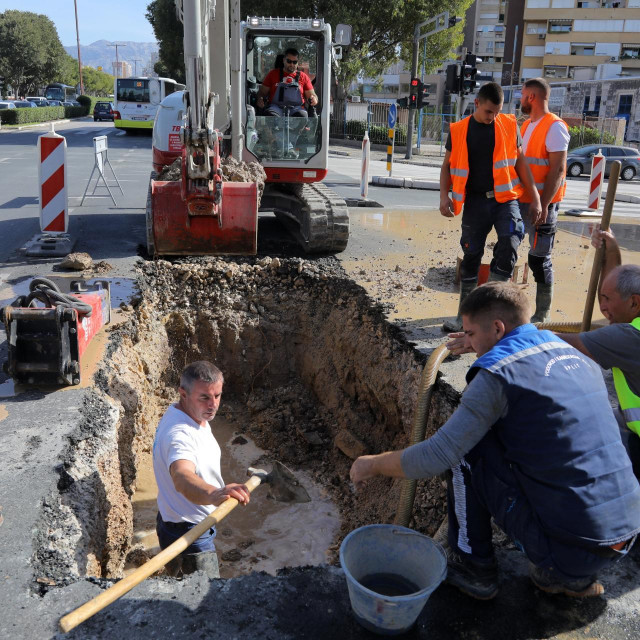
x: 100, y: 54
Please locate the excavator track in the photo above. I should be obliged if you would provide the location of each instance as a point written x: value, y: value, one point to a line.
x: 316, y: 216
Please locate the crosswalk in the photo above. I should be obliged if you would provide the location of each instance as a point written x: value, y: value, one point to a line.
x: 97, y: 132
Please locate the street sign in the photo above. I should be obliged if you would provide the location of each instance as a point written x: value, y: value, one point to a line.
x: 393, y: 116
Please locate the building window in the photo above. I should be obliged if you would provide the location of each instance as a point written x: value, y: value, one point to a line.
x: 552, y: 71
x: 630, y: 52
x: 624, y: 104
x: 596, y: 106
x: 582, y: 49
x: 585, y: 106
x: 556, y: 26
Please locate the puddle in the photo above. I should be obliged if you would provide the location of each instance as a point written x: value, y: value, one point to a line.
x: 264, y: 536
x: 8, y: 389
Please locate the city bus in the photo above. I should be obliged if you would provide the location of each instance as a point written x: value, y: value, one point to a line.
x: 136, y: 100
x: 59, y: 91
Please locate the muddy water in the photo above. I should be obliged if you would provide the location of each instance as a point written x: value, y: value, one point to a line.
x: 264, y: 536
x: 410, y: 260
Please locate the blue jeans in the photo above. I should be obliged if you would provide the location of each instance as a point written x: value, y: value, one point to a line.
x: 479, y: 216
x: 541, y: 241
x: 483, y: 486
x: 169, y: 532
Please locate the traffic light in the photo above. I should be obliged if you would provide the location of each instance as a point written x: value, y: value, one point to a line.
x: 403, y: 102
x: 452, y: 82
x: 423, y: 94
x: 453, y: 21
x: 414, y: 91
x: 468, y: 76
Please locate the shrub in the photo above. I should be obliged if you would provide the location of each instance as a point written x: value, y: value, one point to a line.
x: 85, y: 102
x: 582, y: 136
x: 27, y: 115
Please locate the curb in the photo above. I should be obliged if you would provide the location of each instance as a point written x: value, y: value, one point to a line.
x: 405, y: 183
x: 35, y: 125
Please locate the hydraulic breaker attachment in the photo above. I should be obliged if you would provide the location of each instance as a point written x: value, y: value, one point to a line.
x: 46, y: 343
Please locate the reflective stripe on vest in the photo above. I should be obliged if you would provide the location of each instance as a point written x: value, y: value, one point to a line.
x: 629, y: 401
x: 506, y: 184
x: 538, y: 157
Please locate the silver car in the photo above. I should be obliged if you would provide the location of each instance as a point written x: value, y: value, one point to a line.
x: 579, y: 160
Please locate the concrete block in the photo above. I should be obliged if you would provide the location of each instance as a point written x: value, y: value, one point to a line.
x: 49, y: 245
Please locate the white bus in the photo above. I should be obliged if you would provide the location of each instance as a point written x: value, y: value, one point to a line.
x: 136, y: 100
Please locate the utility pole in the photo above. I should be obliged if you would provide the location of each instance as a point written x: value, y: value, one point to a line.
x: 437, y: 23
x: 513, y: 66
x: 75, y: 5
x: 116, y: 45
x: 135, y: 64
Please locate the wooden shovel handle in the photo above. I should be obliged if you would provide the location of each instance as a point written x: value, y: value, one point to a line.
x: 614, y: 174
x: 73, y: 619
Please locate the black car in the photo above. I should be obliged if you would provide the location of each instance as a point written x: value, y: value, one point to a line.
x: 103, y: 111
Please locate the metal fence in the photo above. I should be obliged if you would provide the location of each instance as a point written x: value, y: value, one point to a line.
x: 349, y: 121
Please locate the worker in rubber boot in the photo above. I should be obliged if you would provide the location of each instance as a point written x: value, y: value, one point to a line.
x: 186, y: 463
x: 534, y: 445
x: 545, y: 140
x: 617, y: 347
x: 486, y: 172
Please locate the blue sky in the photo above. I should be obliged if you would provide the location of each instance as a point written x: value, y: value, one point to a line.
x: 114, y: 20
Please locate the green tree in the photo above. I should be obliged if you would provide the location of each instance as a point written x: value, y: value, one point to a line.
x: 168, y: 29
x: 97, y: 83
x: 381, y: 35
x: 69, y: 72
x: 31, y: 54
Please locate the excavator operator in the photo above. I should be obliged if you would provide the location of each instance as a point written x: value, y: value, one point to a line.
x: 287, y: 88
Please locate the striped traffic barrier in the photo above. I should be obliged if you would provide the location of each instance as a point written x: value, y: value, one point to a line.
x: 364, y: 174
x: 52, y: 178
x: 390, y: 145
x: 597, y: 179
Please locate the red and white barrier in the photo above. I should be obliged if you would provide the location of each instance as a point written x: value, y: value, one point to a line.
x: 52, y: 178
x: 597, y: 179
x: 364, y: 176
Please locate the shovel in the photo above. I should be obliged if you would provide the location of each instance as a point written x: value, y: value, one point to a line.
x: 283, y: 487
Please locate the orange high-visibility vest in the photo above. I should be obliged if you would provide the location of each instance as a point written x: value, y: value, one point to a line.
x: 537, y: 156
x: 506, y: 184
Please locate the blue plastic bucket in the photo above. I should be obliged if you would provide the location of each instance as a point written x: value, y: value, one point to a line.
x: 390, y: 550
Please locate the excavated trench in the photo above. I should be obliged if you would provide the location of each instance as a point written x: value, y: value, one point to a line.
x: 314, y: 376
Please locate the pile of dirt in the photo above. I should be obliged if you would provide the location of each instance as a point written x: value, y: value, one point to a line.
x: 232, y: 171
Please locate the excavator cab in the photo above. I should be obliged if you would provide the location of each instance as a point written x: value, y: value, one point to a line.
x: 289, y: 138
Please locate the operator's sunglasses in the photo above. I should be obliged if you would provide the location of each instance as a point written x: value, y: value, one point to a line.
x: 288, y: 61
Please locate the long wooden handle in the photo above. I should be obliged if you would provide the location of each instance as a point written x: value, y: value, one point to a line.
x: 614, y: 175
x: 73, y: 619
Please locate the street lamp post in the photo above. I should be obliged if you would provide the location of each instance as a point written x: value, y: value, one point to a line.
x: 75, y: 6
x: 513, y: 66
x: 116, y: 45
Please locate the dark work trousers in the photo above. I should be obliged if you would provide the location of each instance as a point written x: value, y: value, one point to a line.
x: 479, y: 215
x: 541, y: 240
x: 199, y: 555
x: 483, y: 486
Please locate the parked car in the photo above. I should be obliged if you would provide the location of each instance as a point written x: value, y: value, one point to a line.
x: 579, y: 160
x: 24, y: 103
x: 39, y: 101
x: 55, y: 103
x: 70, y: 103
x: 5, y: 104
x: 103, y: 111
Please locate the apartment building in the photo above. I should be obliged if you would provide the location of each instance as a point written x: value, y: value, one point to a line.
x: 492, y: 27
x: 121, y: 69
x: 581, y: 39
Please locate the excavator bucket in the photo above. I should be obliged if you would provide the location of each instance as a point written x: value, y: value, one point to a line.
x: 173, y: 230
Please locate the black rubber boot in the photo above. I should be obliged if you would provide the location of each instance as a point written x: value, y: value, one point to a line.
x: 207, y: 562
x: 544, y: 296
x: 496, y: 277
x: 478, y: 579
x: 453, y: 326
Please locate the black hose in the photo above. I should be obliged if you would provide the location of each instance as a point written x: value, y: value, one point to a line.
x: 48, y: 292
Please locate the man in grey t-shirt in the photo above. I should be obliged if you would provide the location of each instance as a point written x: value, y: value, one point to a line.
x: 618, y: 345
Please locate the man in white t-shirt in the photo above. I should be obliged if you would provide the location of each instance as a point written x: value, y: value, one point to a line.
x: 186, y: 463
x: 545, y: 140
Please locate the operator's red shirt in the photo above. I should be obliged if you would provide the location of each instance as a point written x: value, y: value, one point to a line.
x: 273, y: 77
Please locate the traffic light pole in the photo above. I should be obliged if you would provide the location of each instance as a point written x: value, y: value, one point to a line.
x: 438, y: 23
